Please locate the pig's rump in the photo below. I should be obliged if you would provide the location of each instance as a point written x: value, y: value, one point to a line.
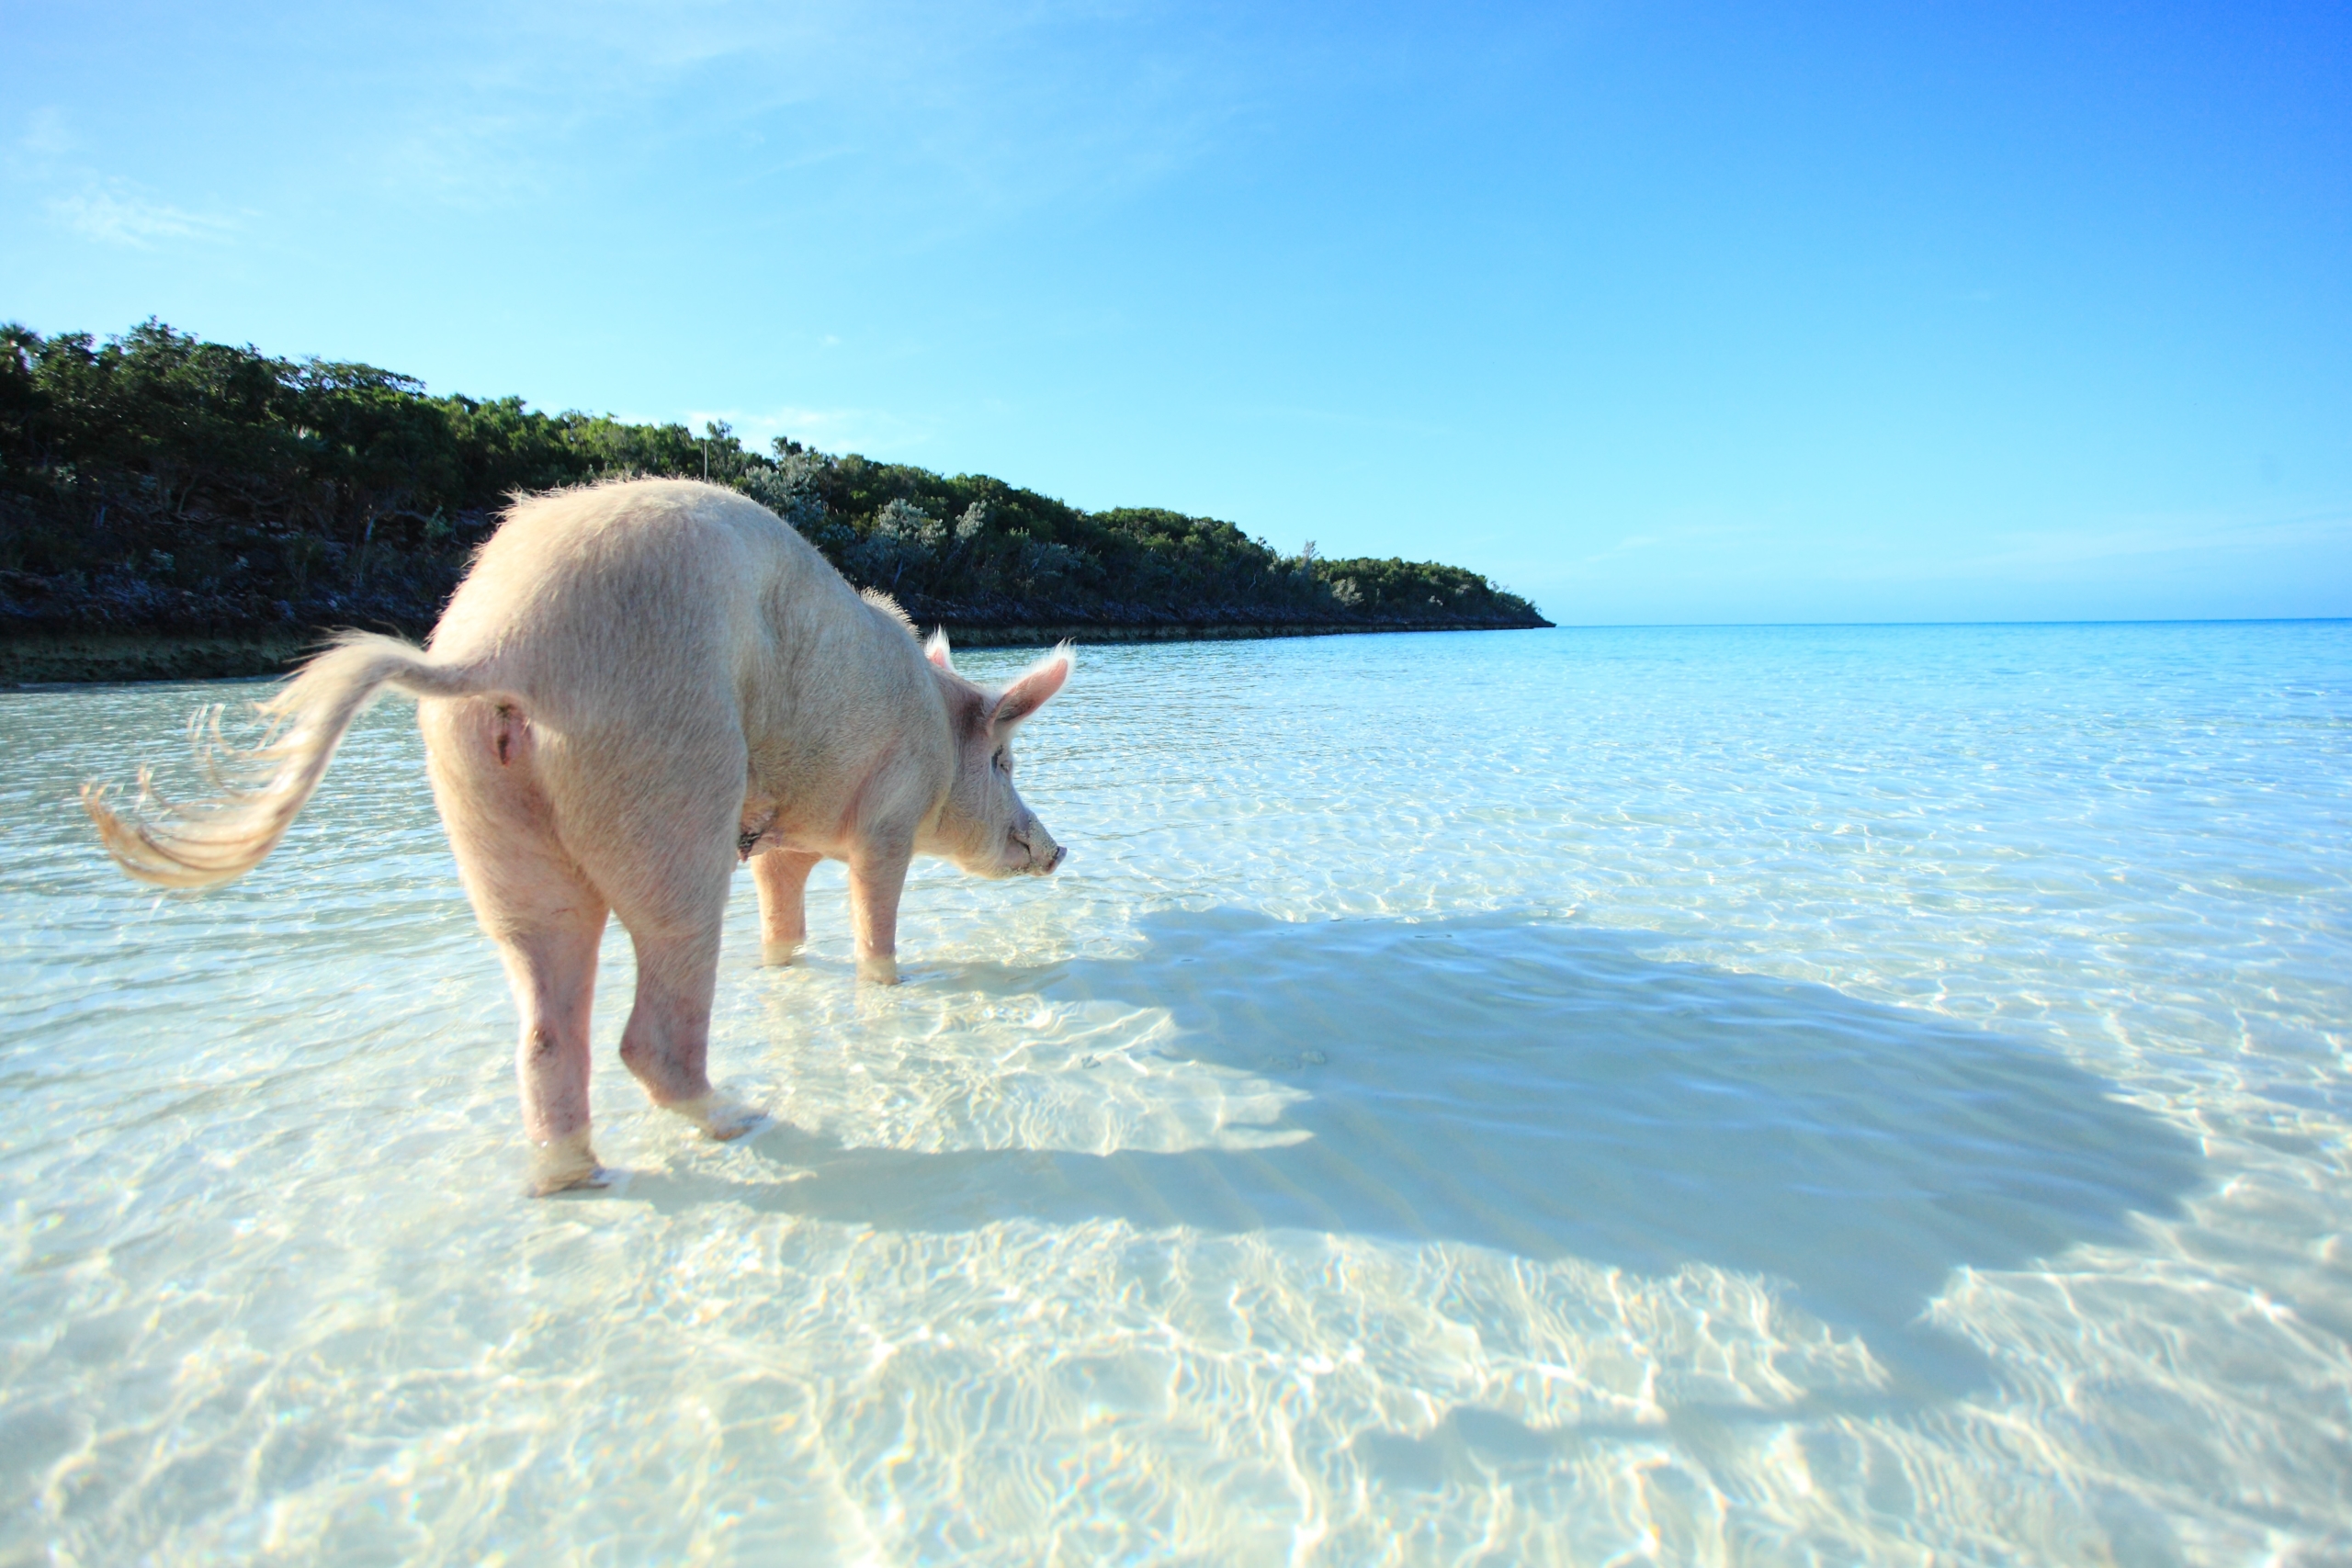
x: 606, y: 642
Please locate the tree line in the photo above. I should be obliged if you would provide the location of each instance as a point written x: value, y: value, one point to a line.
x: 155, y: 481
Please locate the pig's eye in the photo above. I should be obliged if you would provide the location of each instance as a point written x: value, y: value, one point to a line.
x: 1005, y: 762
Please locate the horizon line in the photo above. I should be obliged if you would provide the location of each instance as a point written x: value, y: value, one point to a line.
x: 1792, y: 626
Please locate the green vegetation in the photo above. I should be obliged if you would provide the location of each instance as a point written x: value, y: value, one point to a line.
x: 155, y: 484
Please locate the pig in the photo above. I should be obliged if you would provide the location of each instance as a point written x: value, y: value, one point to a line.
x: 637, y: 686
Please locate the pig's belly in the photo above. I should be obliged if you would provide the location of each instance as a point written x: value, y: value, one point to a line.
x: 764, y: 826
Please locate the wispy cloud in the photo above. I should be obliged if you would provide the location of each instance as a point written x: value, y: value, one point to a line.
x: 1419, y: 428
x: 1855, y: 555
x: 120, y: 212
x: 1685, y: 538
x: 104, y: 208
x: 874, y: 432
x: 2158, y: 537
x: 2094, y: 547
x: 970, y: 112
x: 45, y: 136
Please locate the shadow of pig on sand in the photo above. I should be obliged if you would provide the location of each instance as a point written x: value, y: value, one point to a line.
x: 1540, y: 1089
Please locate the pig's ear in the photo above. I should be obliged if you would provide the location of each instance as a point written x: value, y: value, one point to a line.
x: 1030, y: 692
x: 936, y: 649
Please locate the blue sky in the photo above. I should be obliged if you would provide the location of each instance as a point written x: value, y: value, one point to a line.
x: 1655, y: 313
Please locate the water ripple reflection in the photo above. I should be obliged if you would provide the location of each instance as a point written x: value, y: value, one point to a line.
x: 1703, y: 1095
x: 1569, y: 1098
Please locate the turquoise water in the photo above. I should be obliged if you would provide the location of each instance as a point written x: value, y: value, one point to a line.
x: 1762, y: 1096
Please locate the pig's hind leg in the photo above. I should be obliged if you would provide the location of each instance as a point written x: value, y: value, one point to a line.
x: 533, y: 901
x: 663, y: 852
x: 667, y: 1041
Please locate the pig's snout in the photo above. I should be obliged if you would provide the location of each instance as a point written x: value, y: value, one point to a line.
x: 1041, y: 854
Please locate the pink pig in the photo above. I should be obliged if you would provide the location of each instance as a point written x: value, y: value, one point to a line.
x: 638, y: 685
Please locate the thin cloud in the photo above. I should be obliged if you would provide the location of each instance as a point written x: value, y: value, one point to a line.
x: 107, y: 209
x: 2020, y: 554
x: 118, y: 212
x: 2158, y: 537
x: 45, y: 134
x: 874, y: 433
x: 1895, y: 555
x: 993, y: 111
x: 39, y: 152
x: 1687, y: 537
x: 477, y: 162
x: 1340, y: 419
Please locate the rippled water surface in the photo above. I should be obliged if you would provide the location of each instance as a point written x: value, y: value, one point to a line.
x: 1593, y: 1096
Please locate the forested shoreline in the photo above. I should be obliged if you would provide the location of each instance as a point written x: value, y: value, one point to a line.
x: 225, y: 507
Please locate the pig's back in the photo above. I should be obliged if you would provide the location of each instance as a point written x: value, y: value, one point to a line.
x: 617, y: 597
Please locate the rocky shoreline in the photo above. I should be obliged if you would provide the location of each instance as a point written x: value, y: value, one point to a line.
x: 55, y: 657
x: 172, y: 509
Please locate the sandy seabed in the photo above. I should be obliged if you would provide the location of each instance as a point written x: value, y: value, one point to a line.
x: 1832, y: 1094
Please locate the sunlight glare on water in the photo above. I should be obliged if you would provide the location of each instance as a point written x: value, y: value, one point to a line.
x: 1759, y: 1096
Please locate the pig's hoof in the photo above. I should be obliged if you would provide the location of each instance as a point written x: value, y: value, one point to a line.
x: 719, y: 1120
x: 564, y: 1164
x: 779, y: 955
x: 880, y: 971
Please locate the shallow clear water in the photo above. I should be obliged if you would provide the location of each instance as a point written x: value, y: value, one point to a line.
x: 1811, y: 1095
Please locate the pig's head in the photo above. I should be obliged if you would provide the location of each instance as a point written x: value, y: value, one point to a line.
x: 985, y: 828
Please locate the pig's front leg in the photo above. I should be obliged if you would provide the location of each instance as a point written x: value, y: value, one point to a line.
x: 782, y: 877
x: 877, y: 875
